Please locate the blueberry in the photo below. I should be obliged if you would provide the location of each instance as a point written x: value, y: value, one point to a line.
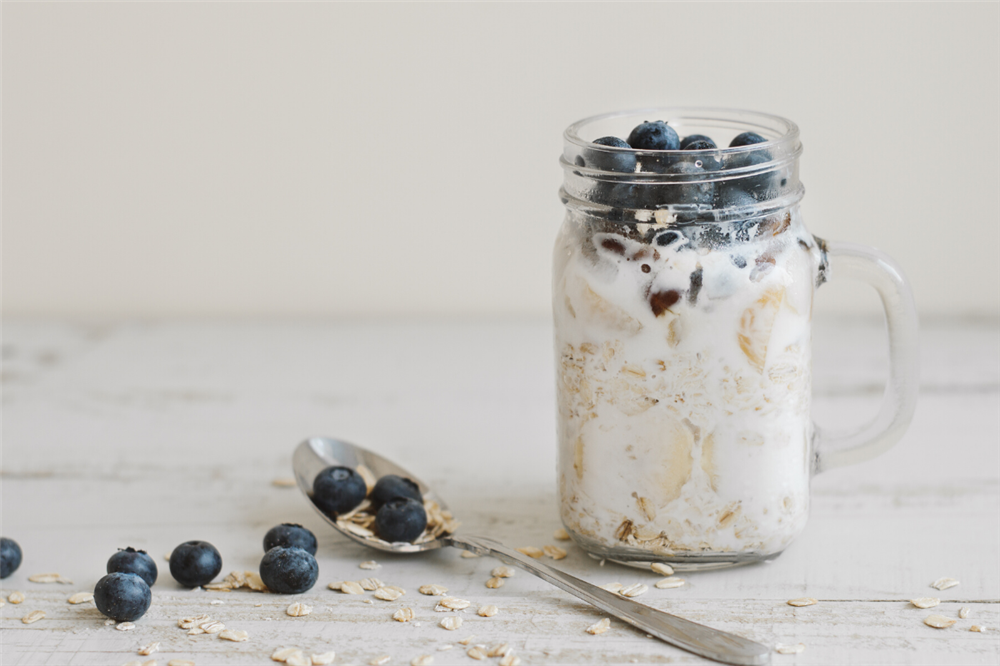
x: 695, y: 192
x: 667, y: 238
x: 401, y: 519
x: 733, y: 197
x: 135, y: 562
x: 688, y: 140
x: 10, y: 556
x: 195, y: 563
x: 616, y: 160
x: 746, y: 139
x: 124, y: 597
x: 760, y: 185
x: 391, y: 487
x: 655, y: 135
x: 337, y: 490
x: 290, y: 535
x: 708, y: 162
x: 288, y: 570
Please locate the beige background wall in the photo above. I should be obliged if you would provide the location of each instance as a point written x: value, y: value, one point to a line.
x: 266, y: 159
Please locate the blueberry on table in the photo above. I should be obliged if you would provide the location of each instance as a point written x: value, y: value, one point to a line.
x: 655, y: 135
x: 124, y: 597
x: 290, y: 535
x: 10, y: 556
x: 622, y: 161
x: 338, y: 490
x: 688, y: 140
x: 130, y: 560
x: 391, y: 487
x: 400, y: 519
x: 195, y: 563
x: 288, y: 570
x: 746, y: 139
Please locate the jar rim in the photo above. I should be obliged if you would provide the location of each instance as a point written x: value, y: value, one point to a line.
x: 787, y: 132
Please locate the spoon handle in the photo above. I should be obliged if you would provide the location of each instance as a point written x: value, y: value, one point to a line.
x: 697, y: 638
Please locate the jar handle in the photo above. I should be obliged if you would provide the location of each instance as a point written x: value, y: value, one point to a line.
x: 899, y: 401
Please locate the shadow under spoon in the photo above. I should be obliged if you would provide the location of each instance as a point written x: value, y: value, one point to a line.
x: 316, y: 454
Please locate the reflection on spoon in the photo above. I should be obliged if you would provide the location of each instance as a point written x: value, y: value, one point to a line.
x: 317, y: 453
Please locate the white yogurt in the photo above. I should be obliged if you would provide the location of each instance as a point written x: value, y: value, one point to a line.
x: 684, y: 388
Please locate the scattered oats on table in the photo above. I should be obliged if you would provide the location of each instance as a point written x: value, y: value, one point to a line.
x: 389, y: 593
x: 782, y: 648
x: 661, y: 568
x: 422, y: 660
x: 555, y: 552
x: 494, y: 583
x: 234, y: 635
x: 299, y: 660
x: 451, y: 623
x: 433, y: 590
x: 488, y: 611
x: 802, y: 601
x: 466, y: 640
x: 477, y: 653
x: 282, y: 654
x: 216, y: 602
x: 978, y: 628
x: 369, y: 564
x: 502, y: 572
x: 468, y: 554
x: 634, y: 590
x: 944, y: 583
x: 167, y: 556
x: 612, y: 587
x: 510, y: 660
x: 108, y: 623
x: 15, y: 597
x: 499, y: 650
x: 560, y: 535
x: 445, y: 648
x: 125, y: 626
x: 669, y: 583
x: 925, y: 602
x: 324, y: 659
x: 33, y: 616
x: 370, y: 584
x: 350, y: 587
x: 80, y: 598
x: 451, y: 603
x: 599, y: 627
x: 149, y: 649
x: 180, y: 662
x: 531, y: 551
x: 284, y: 482
x: 378, y: 661
x: 403, y: 615
x: 49, y: 578
x: 964, y: 612
x: 194, y: 620
x: 939, y: 621
x: 298, y: 609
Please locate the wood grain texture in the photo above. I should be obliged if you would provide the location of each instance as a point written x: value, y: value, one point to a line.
x: 152, y: 434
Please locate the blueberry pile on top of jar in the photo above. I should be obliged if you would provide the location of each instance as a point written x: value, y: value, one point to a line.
x: 655, y: 168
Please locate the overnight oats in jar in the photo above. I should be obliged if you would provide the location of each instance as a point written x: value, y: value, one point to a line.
x: 682, y: 296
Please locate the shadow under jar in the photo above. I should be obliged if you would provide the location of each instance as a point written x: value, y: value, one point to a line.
x: 683, y: 285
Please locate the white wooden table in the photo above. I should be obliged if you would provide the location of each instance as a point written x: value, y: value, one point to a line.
x: 150, y: 434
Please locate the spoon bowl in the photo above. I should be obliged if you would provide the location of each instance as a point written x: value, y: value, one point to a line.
x: 317, y: 453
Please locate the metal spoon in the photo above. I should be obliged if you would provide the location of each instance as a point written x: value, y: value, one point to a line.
x: 316, y: 454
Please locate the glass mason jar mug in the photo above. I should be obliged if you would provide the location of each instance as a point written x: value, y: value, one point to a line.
x: 682, y: 295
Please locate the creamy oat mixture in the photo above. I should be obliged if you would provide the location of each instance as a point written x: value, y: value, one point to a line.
x: 683, y: 356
